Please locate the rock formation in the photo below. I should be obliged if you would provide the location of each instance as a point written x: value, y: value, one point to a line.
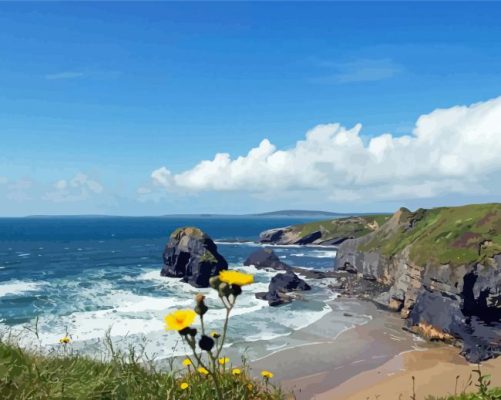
x: 191, y: 255
x: 281, y: 286
x: 331, y: 232
x: 266, y: 258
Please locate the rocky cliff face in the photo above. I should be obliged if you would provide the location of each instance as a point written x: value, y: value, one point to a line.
x: 457, y: 300
x: 191, y: 255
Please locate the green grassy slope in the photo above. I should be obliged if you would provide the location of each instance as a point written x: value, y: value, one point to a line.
x: 66, y: 375
x: 447, y: 235
x: 350, y: 226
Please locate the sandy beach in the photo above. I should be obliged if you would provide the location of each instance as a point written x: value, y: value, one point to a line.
x: 369, y: 361
x: 434, y: 370
x: 327, y: 362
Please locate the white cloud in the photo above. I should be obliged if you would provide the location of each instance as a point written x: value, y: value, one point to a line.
x: 19, y: 190
x: 78, y: 188
x: 454, y: 150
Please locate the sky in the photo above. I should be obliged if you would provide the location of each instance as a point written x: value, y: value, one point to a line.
x: 160, y: 108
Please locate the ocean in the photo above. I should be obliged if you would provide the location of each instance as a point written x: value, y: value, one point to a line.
x: 92, y: 276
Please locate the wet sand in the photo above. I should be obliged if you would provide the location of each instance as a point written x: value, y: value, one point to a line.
x: 326, y: 362
x: 376, y: 360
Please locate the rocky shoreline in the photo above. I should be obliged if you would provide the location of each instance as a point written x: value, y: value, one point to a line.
x: 456, y: 301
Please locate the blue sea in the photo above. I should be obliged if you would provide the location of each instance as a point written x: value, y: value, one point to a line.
x: 89, y: 276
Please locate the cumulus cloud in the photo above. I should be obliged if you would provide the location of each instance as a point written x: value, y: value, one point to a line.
x: 78, y: 188
x: 450, y: 150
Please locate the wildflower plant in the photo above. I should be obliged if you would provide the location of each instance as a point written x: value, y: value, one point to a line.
x: 207, y: 345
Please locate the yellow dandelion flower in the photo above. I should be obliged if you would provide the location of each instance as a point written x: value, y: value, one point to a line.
x: 223, y: 360
x: 202, y: 371
x: 187, y: 362
x: 184, y: 386
x: 236, y: 278
x: 236, y: 371
x: 179, y: 320
x: 215, y: 335
x: 266, y: 374
x: 65, y: 340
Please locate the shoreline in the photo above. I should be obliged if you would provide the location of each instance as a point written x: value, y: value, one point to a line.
x: 324, y: 362
x: 376, y: 359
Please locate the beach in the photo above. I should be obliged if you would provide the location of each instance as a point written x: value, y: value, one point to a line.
x: 373, y: 360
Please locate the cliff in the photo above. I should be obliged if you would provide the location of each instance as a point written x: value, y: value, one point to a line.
x: 443, y: 270
x: 329, y: 232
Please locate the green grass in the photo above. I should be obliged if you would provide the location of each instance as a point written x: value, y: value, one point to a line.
x: 350, y: 226
x: 448, y: 235
x: 492, y: 394
x: 67, y: 375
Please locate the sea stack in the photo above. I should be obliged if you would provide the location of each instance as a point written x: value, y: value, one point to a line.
x: 265, y: 258
x: 192, y: 255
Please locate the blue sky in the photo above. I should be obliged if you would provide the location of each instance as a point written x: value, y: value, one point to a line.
x: 94, y: 98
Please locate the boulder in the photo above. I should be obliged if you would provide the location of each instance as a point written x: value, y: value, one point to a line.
x: 347, y: 267
x: 281, y: 286
x: 192, y: 255
x: 266, y: 258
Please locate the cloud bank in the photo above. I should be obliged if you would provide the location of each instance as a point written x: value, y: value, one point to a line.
x: 78, y: 188
x: 454, y: 150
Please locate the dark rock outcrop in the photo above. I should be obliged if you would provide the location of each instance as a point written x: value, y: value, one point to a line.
x: 462, y: 301
x: 191, y: 255
x: 281, y: 286
x: 266, y: 258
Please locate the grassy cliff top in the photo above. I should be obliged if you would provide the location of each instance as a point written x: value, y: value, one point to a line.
x: 350, y: 226
x: 445, y: 235
x: 189, y: 231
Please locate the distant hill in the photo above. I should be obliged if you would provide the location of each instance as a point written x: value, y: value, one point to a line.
x: 298, y: 213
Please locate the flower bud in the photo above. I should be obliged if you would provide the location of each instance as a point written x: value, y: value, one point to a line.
x: 236, y: 290
x: 224, y: 290
x: 201, y: 309
x: 206, y: 343
x: 199, y: 298
x: 214, y: 282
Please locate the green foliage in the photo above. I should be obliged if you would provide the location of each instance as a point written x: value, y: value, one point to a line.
x: 208, y: 257
x: 447, y: 235
x: 351, y: 226
x: 490, y: 394
x: 68, y: 375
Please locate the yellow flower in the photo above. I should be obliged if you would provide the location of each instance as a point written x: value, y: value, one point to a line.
x: 223, y: 360
x: 236, y: 278
x: 266, y: 374
x: 236, y: 371
x: 65, y: 340
x: 202, y: 370
x: 180, y: 319
x: 187, y: 362
x: 184, y: 386
x: 215, y: 335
